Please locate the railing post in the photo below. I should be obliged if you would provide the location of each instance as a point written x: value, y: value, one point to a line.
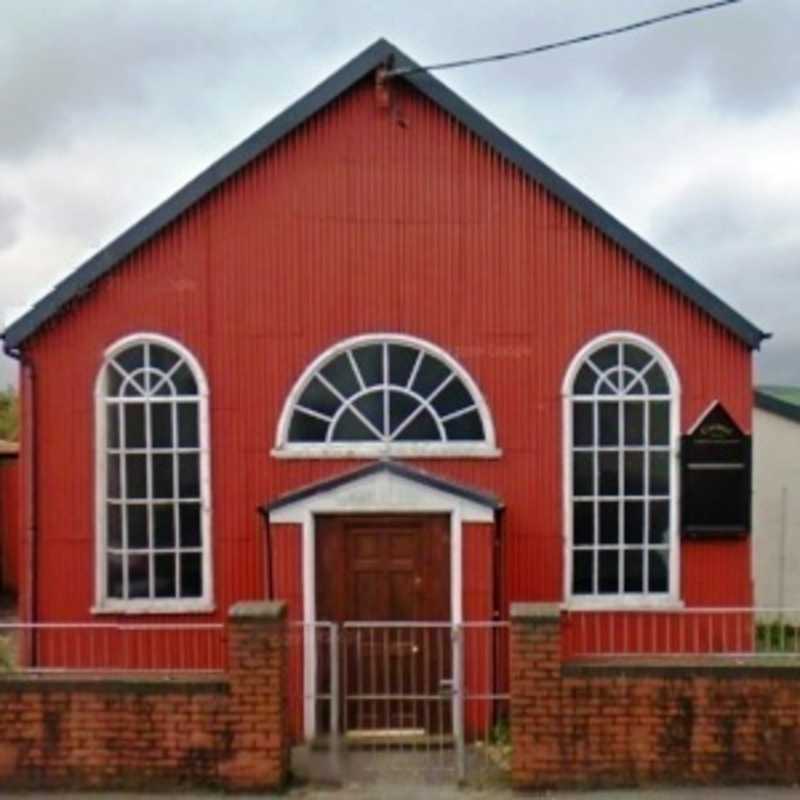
x: 336, y: 741
x: 458, y: 702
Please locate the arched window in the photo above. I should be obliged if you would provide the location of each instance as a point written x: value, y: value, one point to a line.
x: 620, y: 472
x: 385, y: 394
x: 153, y: 478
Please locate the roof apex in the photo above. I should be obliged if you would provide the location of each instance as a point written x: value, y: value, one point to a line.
x: 339, y: 82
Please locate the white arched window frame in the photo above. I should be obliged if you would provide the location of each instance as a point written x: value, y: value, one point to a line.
x: 634, y: 391
x: 158, y: 388
x: 384, y: 442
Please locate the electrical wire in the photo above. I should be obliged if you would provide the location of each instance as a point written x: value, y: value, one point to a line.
x: 542, y: 48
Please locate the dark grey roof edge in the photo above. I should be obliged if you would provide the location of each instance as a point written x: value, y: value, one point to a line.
x: 768, y: 402
x: 311, y: 103
x: 394, y: 468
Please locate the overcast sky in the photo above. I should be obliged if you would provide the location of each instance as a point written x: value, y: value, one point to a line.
x: 689, y: 132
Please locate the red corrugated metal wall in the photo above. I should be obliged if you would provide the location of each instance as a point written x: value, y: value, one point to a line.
x: 356, y: 223
x: 10, y: 524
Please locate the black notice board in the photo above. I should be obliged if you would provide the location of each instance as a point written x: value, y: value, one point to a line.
x: 716, y: 478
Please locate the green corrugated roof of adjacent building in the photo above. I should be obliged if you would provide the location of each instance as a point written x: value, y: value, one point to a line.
x: 789, y: 394
x: 782, y: 400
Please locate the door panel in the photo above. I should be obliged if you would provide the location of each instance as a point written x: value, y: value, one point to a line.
x: 388, y: 569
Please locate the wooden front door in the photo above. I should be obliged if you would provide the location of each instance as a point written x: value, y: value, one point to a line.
x: 373, y: 574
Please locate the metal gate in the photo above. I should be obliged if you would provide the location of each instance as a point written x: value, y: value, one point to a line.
x: 401, y: 701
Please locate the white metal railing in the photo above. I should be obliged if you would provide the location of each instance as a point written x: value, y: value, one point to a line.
x: 112, y: 647
x: 734, y: 632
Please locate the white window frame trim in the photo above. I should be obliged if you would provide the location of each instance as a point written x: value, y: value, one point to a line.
x: 622, y: 601
x: 108, y: 605
x: 371, y: 450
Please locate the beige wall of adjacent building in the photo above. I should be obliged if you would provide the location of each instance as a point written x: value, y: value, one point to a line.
x: 776, y: 510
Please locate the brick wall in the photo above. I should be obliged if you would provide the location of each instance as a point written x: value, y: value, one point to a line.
x: 613, y: 724
x: 226, y: 731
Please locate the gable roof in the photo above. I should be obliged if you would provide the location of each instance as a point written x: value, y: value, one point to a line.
x: 343, y: 79
x: 781, y: 400
x: 392, y: 468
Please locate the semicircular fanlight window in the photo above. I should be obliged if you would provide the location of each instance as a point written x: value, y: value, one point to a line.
x: 385, y: 392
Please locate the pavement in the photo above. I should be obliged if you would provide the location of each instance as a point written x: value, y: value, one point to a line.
x: 399, y: 791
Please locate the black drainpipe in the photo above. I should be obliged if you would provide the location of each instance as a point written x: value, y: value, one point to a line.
x: 268, y: 547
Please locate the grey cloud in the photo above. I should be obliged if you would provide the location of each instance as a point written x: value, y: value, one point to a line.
x: 11, y: 209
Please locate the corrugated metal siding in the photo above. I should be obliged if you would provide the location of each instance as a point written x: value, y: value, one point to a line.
x: 10, y: 524
x: 371, y: 220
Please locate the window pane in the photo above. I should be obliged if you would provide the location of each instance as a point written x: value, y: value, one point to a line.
x: 634, y: 424
x: 162, y: 359
x: 163, y: 480
x: 164, y: 522
x: 606, y: 357
x: 582, y: 571
x: 634, y: 523
x: 112, y: 476
x: 658, y: 562
x: 371, y: 406
x: 137, y: 527
x: 112, y: 425
x: 634, y: 474
x: 656, y: 380
x: 582, y: 424
x: 609, y: 523
x: 401, y: 363
x: 659, y: 473
x: 114, y: 380
x: 189, y: 466
x: 136, y: 467
x: 114, y: 523
x: 114, y: 574
x: 634, y: 570
x: 318, y: 397
x: 165, y: 575
x: 610, y: 384
x: 370, y: 363
x: 609, y: 473
x: 188, y: 430
x: 190, y: 524
x: 350, y: 428
x: 423, y: 428
x: 184, y: 381
x: 304, y: 428
x: 609, y: 424
x: 138, y: 576
x: 134, y: 386
x: 134, y: 424
x: 452, y: 398
x: 659, y: 423
x: 161, y: 424
x: 583, y: 523
x: 608, y: 573
x: 430, y: 376
x: 131, y: 358
x: 340, y: 373
x: 582, y: 474
x: 659, y: 522
x: 466, y: 428
x: 191, y: 575
x: 401, y: 406
x: 585, y: 380
x: 635, y: 358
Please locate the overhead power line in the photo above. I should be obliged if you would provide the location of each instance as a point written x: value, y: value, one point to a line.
x: 542, y: 48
